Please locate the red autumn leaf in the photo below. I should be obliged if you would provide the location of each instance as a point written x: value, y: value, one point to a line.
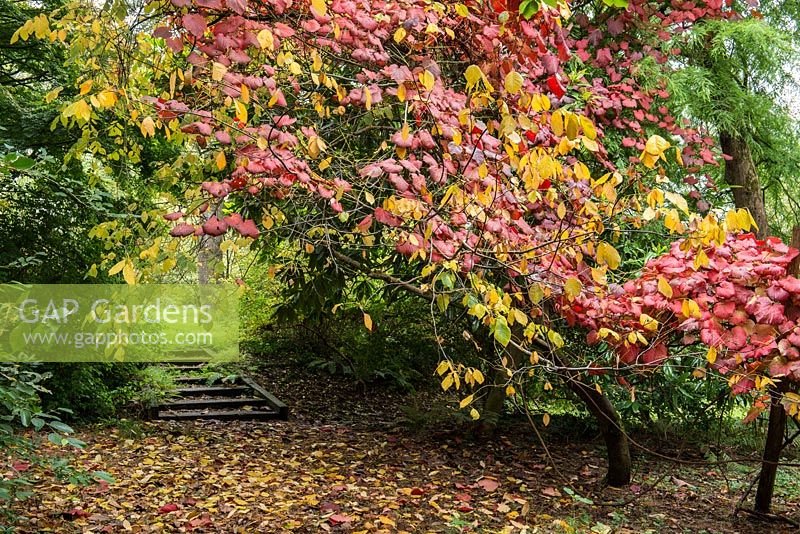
x: 215, y: 227
x: 337, y: 519
x: 488, y: 484
x: 199, y: 522
x: 554, y: 84
x: 182, y: 230
x: 174, y: 216
x: 195, y: 24
x: 21, y: 465
x: 167, y: 508
x: 248, y: 229
x: 76, y: 513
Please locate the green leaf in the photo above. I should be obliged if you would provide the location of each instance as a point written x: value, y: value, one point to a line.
x: 19, y: 162
x: 38, y: 423
x: 78, y: 444
x: 529, y: 8
x: 61, y: 427
x: 102, y: 475
x: 502, y: 333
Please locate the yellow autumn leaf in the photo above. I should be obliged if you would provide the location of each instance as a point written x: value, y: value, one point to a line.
x: 241, y: 111
x: 473, y: 74
x: 588, y: 127
x: 427, y: 79
x: 678, y: 200
x: 52, y: 95
x: 319, y: 7
x: 555, y: 338
x: 474, y: 414
x: 368, y: 321
x: 689, y: 308
x: 648, y: 322
x: 148, y: 127
x: 106, y: 98
x: 557, y: 123
x: 266, y: 39
x: 672, y: 222
x: 466, y: 401
x: 546, y: 419
x: 656, y: 145
x: 571, y: 126
x: 220, y: 160
x: 86, y: 87
x: 79, y: 109
x: 447, y: 383
x: 608, y: 255
x: 387, y: 521
x: 513, y: 82
x: 590, y: 144
x: 400, y: 34
x: 128, y: 273
x: 572, y: 288
x: 218, y: 71
x: 711, y: 355
x: 117, y: 268
x: 664, y: 288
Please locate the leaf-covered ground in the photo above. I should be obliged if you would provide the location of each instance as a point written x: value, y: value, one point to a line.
x: 343, y: 463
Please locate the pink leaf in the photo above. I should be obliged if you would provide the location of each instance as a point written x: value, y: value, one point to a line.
x: 182, y: 230
x: 248, y: 229
x: 488, y: 484
x: 195, y: 24
x: 214, y: 227
x: 337, y: 519
x: 174, y: 216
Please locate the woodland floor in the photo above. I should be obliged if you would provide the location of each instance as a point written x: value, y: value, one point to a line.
x: 344, y: 463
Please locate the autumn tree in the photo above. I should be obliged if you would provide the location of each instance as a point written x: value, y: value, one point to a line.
x: 429, y: 147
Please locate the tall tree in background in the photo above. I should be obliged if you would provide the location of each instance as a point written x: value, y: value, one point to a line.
x: 735, y: 78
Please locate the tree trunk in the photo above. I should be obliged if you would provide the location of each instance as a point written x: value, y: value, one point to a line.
x: 772, y: 450
x: 777, y: 420
x: 742, y: 177
x: 209, y: 257
x: 496, y: 397
x: 619, y: 455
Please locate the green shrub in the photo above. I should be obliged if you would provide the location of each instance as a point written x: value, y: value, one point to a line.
x: 92, y: 391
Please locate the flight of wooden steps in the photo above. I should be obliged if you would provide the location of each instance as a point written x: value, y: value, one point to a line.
x: 241, y: 400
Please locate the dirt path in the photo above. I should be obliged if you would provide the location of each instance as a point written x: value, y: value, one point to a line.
x: 362, y: 472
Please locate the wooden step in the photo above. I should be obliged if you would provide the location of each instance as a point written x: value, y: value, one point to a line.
x: 187, y: 366
x: 274, y: 402
x: 223, y: 415
x: 214, y: 404
x: 203, y: 380
x: 213, y: 391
